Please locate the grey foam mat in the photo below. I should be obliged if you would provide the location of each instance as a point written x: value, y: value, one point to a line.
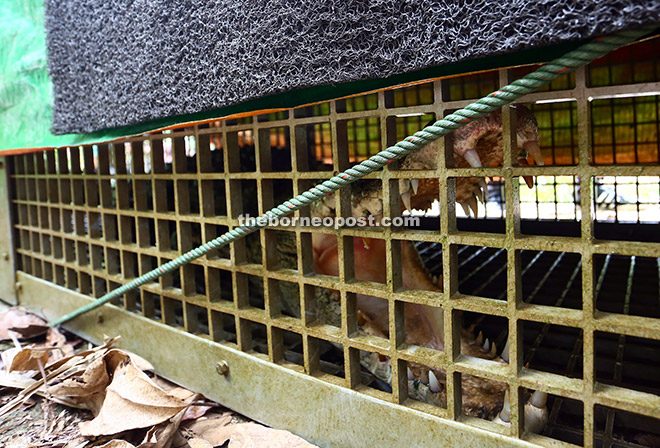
x: 122, y: 62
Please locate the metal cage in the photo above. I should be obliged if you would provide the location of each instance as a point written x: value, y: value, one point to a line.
x: 576, y: 292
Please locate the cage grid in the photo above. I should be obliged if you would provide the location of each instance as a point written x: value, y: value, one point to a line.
x: 94, y: 217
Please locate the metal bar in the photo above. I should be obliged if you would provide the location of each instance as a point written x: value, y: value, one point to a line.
x: 7, y: 270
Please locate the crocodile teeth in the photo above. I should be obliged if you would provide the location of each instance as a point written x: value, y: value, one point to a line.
x: 505, y: 413
x: 414, y: 183
x: 434, y: 385
x: 410, y: 375
x: 404, y: 185
x: 493, y: 350
x: 472, y: 203
x: 435, y: 280
x: 480, y: 337
x: 472, y: 157
x: 424, y: 377
x: 505, y: 351
x: 484, y: 186
x: 536, y: 413
x: 486, y: 345
x: 405, y: 197
x: 538, y: 399
x: 478, y: 193
x: 466, y: 209
x: 534, y: 150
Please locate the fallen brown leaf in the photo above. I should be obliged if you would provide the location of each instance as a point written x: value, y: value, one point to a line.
x: 54, y: 348
x: 17, y: 318
x: 199, y: 443
x: 78, y: 442
x: 85, y: 390
x: 139, y: 361
x: 60, y: 369
x: 195, y: 412
x: 54, y: 338
x: 31, y: 331
x: 161, y: 435
x: 132, y: 401
x: 8, y: 356
x: 15, y: 380
x: 28, y: 358
x: 117, y: 444
x: 216, y: 429
x: 253, y: 435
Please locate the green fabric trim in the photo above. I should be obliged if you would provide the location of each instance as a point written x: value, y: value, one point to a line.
x: 26, y: 90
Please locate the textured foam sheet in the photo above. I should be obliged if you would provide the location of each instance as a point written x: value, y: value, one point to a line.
x: 120, y: 62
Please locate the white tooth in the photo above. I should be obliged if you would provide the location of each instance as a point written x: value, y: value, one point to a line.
x: 505, y: 352
x: 484, y: 186
x: 480, y: 337
x: 538, y: 399
x: 486, y: 345
x: 415, y: 185
x: 410, y: 375
x: 536, y: 418
x: 466, y: 209
x: 479, y: 194
x: 493, y: 350
x: 472, y: 203
x: 405, y: 197
x: 505, y: 413
x: 434, y: 385
x: 534, y: 150
x: 435, y: 280
x: 404, y: 186
x: 472, y: 158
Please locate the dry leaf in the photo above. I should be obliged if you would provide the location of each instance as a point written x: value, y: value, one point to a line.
x: 252, y: 435
x: 199, y: 443
x: 61, y: 369
x: 17, y: 317
x: 117, y: 444
x: 54, y: 338
x: 28, y: 358
x: 16, y: 380
x: 53, y: 349
x: 195, y: 412
x: 180, y: 392
x: 161, y: 435
x: 132, y: 401
x: 139, y: 361
x: 8, y: 356
x: 216, y: 429
x: 31, y: 331
x: 78, y: 442
x: 86, y: 390
x: 92, y: 380
x: 56, y: 345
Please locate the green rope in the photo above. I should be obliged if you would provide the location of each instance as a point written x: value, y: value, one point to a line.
x: 506, y: 95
